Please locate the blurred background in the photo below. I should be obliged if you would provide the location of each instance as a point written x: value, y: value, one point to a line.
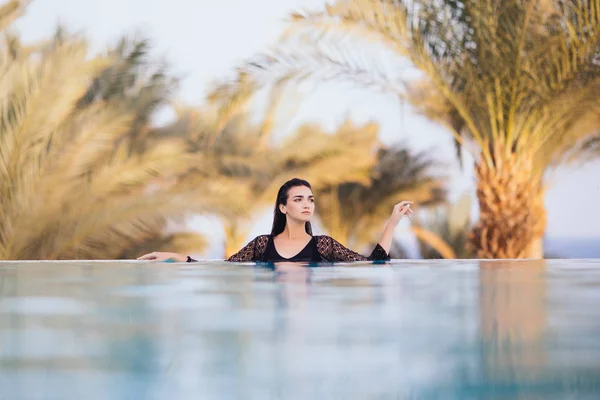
x: 138, y: 126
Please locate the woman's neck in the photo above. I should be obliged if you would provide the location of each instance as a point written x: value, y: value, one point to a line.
x: 294, y: 230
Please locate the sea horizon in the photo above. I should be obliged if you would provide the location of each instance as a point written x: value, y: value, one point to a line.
x: 571, y: 247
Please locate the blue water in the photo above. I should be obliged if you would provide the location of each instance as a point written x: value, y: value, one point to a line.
x: 406, y: 330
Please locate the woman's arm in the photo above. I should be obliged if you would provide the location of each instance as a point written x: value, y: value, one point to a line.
x: 251, y: 252
x: 341, y: 253
x: 387, y: 236
x: 332, y: 250
x: 163, y: 256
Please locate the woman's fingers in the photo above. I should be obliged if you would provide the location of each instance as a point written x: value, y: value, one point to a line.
x: 403, y: 208
x: 404, y: 204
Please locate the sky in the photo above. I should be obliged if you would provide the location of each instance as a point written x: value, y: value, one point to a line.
x: 203, y: 40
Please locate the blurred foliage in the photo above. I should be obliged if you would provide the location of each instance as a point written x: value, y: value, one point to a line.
x: 82, y: 174
x: 451, y: 222
x: 355, y: 212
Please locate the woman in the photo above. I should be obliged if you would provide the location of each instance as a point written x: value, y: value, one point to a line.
x: 291, y: 238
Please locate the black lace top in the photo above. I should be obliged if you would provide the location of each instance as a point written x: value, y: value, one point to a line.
x: 325, y: 249
x: 308, y: 254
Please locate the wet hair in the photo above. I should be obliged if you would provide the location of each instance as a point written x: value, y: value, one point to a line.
x: 279, y: 219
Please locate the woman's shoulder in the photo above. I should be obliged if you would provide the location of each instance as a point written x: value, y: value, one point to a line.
x: 261, y: 240
x: 323, y: 238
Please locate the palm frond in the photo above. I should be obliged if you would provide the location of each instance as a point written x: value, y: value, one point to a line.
x: 587, y: 150
x: 500, y: 67
x: 231, y: 100
x: 10, y: 11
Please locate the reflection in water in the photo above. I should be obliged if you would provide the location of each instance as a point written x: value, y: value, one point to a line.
x: 439, y: 329
x: 513, y: 320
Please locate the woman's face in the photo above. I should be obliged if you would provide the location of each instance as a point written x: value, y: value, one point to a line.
x: 300, y: 204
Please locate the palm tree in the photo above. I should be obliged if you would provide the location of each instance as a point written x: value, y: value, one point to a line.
x: 74, y: 181
x: 515, y: 82
x: 354, y: 212
x: 136, y: 83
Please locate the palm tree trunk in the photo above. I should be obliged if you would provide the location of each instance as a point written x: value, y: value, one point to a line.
x: 536, y: 248
x: 512, y: 217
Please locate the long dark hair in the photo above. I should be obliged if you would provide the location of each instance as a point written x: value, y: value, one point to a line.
x: 282, y: 197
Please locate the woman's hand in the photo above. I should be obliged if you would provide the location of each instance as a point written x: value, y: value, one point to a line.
x: 401, y: 209
x: 160, y: 256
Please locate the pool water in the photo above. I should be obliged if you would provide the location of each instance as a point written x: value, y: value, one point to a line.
x: 214, y: 330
